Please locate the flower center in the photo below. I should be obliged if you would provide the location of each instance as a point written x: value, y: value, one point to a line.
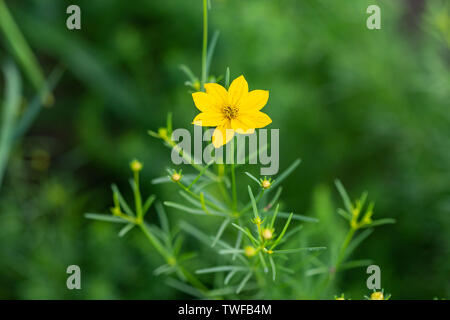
x: 230, y: 112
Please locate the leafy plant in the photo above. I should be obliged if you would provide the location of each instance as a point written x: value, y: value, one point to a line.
x: 257, y: 262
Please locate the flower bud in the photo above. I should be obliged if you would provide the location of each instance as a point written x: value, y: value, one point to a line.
x: 136, y: 166
x: 249, y: 251
x: 378, y: 295
x: 176, y: 177
x: 267, y: 234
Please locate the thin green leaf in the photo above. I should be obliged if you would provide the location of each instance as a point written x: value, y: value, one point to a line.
x: 227, y: 77
x: 315, y: 271
x: 229, y: 276
x: 274, y: 199
x: 298, y: 217
x: 282, y: 232
x: 185, y: 288
x: 274, y: 216
x: 222, y: 228
x: 255, y: 208
x: 243, y: 282
x: 355, y: 264
x: 188, y: 73
x: 310, y: 249
x: 357, y: 241
x: 220, y: 269
x: 380, y: 222
x: 10, y: 107
x: 125, y: 229
x: 211, y: 49
x: 190, y: 210
x: 205, y: 168
x: 274, y: 270
x: 122, y: 201
x: 263, y: 262
x: 230, y: 251
x: 21, y: 50
x: 104, y: 217
x: 344, y: 196
x: 148, y: 203
x: 345, y: 214
x: 285, y: 173
x: 237, y: 244
x: 165, y: 268
x: 246, y: 232
x: 162, y: 217
x: 253, y: 177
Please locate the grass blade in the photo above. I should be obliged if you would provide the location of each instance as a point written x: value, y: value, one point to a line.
x: 243, y: 282
x: 9, y: 112
x: 344, y: 196
x: 21, y: 50
x: 222, y: 228
x: 285, y: 174
x: 104, y: 217
x: 125, y: 229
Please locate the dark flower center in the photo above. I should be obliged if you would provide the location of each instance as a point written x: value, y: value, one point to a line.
x: 230, y: 112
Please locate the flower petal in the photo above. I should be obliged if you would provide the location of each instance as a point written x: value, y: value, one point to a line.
x: 255, y: 100
x: 256, y: 119
x: 237, y: 91
x: 208, y: 119
x: 223, y: 134
x: 241, y: 127
x: 205, y: 102
x: 218, y: 93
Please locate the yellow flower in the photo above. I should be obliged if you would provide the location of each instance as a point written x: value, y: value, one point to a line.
x: 249, y: 251
x: 176, y: 177
x: 267, y: 234
x: 136, y: 165
x: 235, y: 110
x: 377, y: 296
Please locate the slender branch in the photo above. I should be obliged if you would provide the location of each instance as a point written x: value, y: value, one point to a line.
x: 205, y: 42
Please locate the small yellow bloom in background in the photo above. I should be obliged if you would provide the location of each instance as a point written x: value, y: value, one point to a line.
x: 265, y: 184
x: 267, y: 234
x: 377, y: 296
x: 235, y: 110
x: 176, y: 177
x: 257, y: 221
x: 115, y: 211
x: 135, y: 165
x: 249, y: 251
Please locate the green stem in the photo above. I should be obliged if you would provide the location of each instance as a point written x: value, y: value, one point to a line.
x: 9, y: 111
x: 211, y: 204
x: 330, y: 276
x: 137, y: 197
x: 249, y: 205
x: 344, y: 246
x: 23, y: 53
x: 233, y: 176
x: 168, y: 257
x: 154, y: 241
x: 205, y: 41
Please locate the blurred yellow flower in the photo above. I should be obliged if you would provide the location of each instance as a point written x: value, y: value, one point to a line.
x: 235, y: 110
x: 377, y: 296
x: 249, y: 251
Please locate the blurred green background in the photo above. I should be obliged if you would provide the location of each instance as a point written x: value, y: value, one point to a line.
x: 368, y: 107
